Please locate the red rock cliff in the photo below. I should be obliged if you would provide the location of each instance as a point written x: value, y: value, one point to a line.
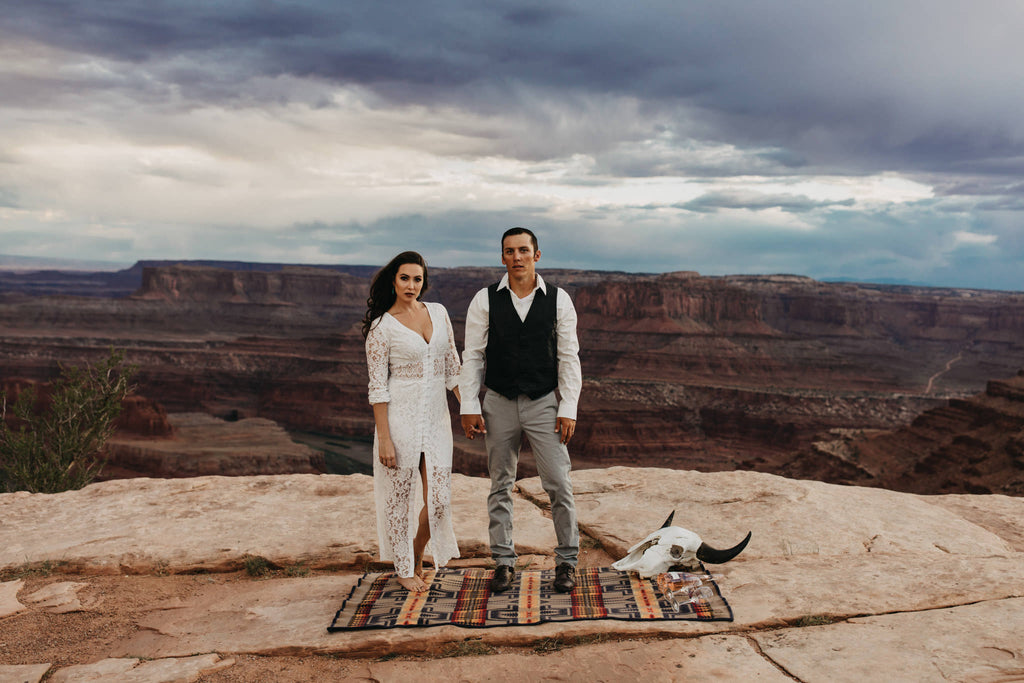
x: 292, y: 285
x: 670, y: 304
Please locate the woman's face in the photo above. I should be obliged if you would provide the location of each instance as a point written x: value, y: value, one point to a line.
x: 408, y: 282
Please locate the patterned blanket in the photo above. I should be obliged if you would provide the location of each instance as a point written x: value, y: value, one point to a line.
x: 461, y: 597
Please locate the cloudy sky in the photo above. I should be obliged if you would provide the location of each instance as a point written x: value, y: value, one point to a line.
x: 858, y: 139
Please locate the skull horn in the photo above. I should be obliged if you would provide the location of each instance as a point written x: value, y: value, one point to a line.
x: 668, y: 522
x: 714, y: 556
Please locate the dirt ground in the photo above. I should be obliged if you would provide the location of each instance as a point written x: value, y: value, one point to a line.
x: 34, y: 636
x: 114, y: 604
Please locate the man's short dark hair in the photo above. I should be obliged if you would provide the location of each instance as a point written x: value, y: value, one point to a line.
x: 520, y: 231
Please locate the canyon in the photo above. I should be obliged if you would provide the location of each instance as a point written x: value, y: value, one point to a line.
x: 775, y: 373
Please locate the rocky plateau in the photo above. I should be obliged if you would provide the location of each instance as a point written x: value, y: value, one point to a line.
x: 142, y: 580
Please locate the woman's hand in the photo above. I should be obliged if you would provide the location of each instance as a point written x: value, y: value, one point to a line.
x: 385, y: 447
x: 473, y: 425
x: 386, y: 453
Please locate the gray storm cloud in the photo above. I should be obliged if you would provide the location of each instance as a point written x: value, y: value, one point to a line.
x: 557, y: 95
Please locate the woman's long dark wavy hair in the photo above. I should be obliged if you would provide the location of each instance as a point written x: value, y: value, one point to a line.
x: 382, y: 289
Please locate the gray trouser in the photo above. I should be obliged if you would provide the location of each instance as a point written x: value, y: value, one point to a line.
x: 506, y: 421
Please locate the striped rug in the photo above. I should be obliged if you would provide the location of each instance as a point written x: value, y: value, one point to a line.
x: 461, y: 597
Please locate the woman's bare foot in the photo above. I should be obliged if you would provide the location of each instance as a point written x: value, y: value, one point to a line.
x: 419, y: 562
x: 412, y: 583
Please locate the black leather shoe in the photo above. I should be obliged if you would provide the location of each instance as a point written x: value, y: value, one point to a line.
x: 565, y: 578
x: 502, y: 579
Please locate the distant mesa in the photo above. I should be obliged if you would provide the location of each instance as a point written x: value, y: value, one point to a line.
x: 285, y: 286
x: 41, y: 277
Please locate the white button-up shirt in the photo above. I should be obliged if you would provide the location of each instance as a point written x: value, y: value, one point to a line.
x: 570, y: 374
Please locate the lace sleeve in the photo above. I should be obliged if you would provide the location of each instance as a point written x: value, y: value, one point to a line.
x: 452, y: 367
x: 377, y: 353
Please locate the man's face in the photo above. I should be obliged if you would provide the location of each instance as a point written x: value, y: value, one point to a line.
x: 518, y: 256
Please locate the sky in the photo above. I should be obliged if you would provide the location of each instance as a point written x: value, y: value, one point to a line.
x: 872, y: 140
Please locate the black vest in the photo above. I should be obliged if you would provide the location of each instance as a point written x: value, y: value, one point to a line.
x: 522, y: 356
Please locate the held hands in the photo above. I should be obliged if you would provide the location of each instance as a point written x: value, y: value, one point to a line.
x: 473, y: 425
x: 565, y: 428
x: 386, y: 453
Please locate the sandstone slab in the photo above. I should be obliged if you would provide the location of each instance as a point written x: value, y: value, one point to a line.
x: 213, y: 523
x: 290, y: 616
x: 850, y: 557
x: 180, y: 670
x: 711, y: 659
x: 22, y: 673
x: 275, y: 616
x: 785, y: 590
x: 1002, y: 515
x: 847, y: 572
x: 979, y: 642
x: 621, y: 505
x: 9, y: 603
x: 59, y: 598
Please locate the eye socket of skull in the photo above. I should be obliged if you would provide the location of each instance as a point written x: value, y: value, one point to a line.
x: 676, y: 552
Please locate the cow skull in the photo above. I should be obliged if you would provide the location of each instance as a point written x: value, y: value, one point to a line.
x: 672, y: 546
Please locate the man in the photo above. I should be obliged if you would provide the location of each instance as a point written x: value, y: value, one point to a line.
x: 521, y: 342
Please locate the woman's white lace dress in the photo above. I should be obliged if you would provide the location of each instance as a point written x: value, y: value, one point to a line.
x: 412, y: 377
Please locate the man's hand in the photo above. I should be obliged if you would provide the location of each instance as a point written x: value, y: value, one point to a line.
x: 565, y: 428
x: 473, y: 425
x: 386, y: 453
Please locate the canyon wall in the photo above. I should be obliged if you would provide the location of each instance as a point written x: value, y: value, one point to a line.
x: 973, y: 445
x: 681, y: 371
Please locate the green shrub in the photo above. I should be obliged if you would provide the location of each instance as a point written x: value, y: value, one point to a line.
x: 256, y: 565
x: 299, y: 569
x: 61, y: 448
x: 467, y: 648
x: 30, y: 569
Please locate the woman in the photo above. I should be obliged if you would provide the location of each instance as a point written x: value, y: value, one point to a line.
x: 411, y: 359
